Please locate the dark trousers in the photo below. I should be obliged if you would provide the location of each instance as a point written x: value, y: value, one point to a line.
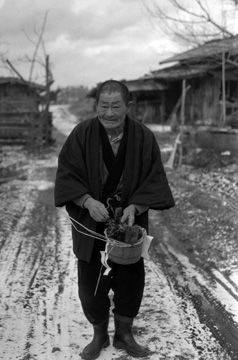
x: 126, y: 281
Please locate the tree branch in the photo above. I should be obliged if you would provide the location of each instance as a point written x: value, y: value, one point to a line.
x: 211, y: 21
x: 40, y: 37
x: 15, y: 70
x: 186, y: 10
x: 188, y: 24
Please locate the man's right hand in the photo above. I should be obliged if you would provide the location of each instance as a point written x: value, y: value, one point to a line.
x: 96, y: 210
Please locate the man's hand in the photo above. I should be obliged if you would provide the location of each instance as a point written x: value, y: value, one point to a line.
x: 96, y: 210
x: 129, y: 215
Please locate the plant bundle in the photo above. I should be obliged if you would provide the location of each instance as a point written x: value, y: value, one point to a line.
x: 123, y: 232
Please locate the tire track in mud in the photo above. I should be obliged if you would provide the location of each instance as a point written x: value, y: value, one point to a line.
x: 203, y: 292
x: 38, y: 272
x: 13, y: 280
x: 24, y: 249
x: 179, y: 334
x: 46, y: 300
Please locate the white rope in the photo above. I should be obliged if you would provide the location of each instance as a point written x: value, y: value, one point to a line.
x: 89, y: 230
x: 84, y: 233
x: 104, y: 264
x: 98, y: 236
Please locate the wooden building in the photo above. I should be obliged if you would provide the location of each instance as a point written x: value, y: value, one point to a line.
x: 210, y: 75
x: 157, y: 96
x: 210, y: 72
x: 148, y: 100
x: 24, y: 116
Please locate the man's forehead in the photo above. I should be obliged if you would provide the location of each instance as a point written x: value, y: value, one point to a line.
x: 111, y: 96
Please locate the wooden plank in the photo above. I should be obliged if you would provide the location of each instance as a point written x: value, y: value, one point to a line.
x: 182, y: 120
x: 33, y: 129
x: 11, y: 141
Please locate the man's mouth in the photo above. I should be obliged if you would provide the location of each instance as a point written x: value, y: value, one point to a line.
x: 110, y: 120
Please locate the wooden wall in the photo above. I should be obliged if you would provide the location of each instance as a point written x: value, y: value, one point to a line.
x: 20, y: 118
x: 202, y: 101
x: 148, y: 107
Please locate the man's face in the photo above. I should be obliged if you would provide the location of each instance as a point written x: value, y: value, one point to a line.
x: 111, y: 109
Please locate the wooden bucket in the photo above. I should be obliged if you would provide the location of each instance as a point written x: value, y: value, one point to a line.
x: 125, y: 255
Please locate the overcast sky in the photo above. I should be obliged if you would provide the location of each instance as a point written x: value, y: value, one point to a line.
x: 88, y: 40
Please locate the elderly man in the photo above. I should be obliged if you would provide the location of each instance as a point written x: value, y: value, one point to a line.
x: 110, y: 156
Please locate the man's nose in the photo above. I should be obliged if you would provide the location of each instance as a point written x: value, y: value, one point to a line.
x: 109, y: 111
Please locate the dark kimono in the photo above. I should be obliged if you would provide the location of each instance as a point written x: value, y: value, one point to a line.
x: 144, y: 178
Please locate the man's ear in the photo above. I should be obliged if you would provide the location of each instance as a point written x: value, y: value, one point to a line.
x: 129, y: 105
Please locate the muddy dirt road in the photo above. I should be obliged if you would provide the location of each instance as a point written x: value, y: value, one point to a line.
x: 40, y: 314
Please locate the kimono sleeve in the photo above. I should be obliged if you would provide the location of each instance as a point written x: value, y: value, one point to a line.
x: 71, y: 176
x: 154, y: 190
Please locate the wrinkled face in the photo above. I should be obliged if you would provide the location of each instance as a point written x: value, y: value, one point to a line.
x: 111, y: 109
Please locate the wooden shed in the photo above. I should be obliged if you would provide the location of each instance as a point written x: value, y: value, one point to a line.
x: 148, y: 100
x: 24, y: 118
x: 157, y: 96
x: 211, y: 74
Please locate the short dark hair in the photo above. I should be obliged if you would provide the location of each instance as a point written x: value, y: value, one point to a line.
x: 113, y: 86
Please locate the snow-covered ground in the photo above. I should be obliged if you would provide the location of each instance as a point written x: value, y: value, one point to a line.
x: 40, y: 314
x: 63, y: 120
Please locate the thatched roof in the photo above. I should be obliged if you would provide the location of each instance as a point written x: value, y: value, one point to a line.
x: 208, y: 50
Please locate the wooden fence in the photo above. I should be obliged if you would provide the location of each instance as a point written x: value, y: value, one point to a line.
x: 26, y: 127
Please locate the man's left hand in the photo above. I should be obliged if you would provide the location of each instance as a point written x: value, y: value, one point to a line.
x: 129, y: 215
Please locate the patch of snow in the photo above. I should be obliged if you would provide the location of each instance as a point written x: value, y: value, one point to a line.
x: 41, y: 184
x: 159, y: 127
x: 166, y: 149
x: 217, y: 290
x: 63, y: 120
x: 228, y: 284
x: 234, y: 277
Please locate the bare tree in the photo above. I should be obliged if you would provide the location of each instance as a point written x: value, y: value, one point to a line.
x: 39, y: 63
x: 194, y: 21
x: 39, y: 56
